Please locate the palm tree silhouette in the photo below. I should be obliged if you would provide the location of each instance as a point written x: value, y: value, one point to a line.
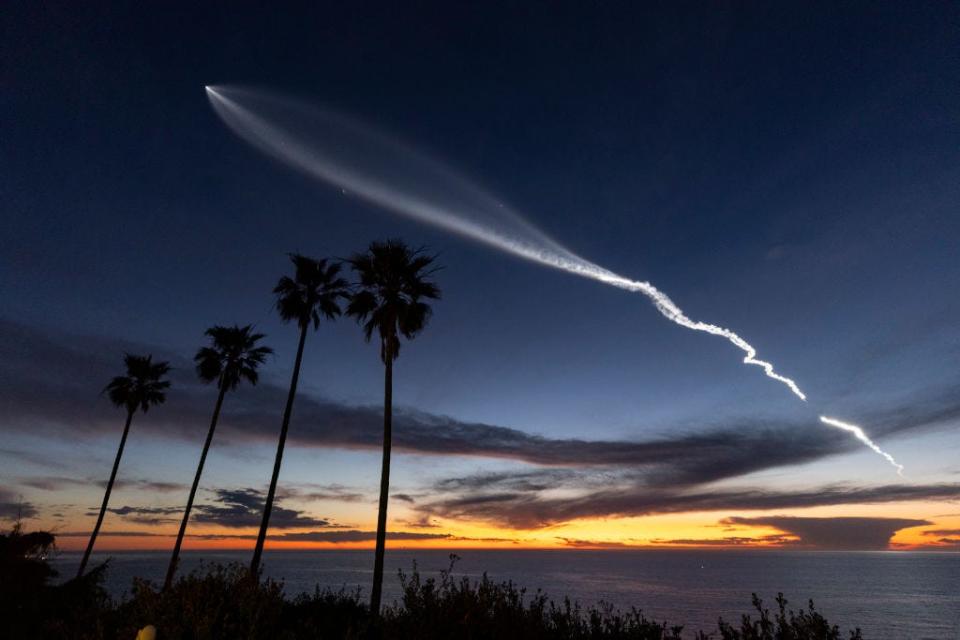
x: 393, y: 284
x: 310, y: 295
x: 232, y: 357
x: 141, y: 388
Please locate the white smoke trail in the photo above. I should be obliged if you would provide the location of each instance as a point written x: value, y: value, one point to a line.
x: 381, y: 170
x: 864, y: 438
x: 332, y: 163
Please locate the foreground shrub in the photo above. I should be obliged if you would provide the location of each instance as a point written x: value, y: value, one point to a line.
x: 785, y: 625
x: 224, y: 602
x: 486, y: 609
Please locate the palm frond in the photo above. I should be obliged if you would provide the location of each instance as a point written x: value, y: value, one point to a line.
x: 143, y: 385
x: 313, y: 292
x: 232, y: 356
x: 393, y: 282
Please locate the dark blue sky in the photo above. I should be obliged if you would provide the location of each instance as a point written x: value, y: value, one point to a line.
x: 790, y: 172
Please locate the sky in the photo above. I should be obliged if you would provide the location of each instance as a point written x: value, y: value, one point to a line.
x: 789, y: 172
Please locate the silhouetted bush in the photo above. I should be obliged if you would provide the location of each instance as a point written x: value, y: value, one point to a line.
x: 31, y: 607
x: 224, y: 602
x: 451, y: 608
x: 785, y: 625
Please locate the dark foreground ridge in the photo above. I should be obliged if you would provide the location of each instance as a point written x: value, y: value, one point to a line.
x: 224, y: 602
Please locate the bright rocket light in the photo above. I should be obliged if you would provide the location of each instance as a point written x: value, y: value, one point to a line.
x: 368, y: 164
x: 862, y: 437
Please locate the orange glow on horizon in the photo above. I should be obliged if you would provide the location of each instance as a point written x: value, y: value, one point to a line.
x: 693, y: 530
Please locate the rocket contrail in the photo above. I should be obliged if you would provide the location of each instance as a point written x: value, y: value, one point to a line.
x: 381, y: 170
x: 864, y: 438
x: 336, y: 162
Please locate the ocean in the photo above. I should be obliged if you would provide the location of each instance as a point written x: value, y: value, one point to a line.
x: 889, y: 595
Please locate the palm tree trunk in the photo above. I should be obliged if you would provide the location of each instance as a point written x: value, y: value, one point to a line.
x: 288, y: 410
x: 106, y: 496
x: 384, y: 486
x: 172, y: 569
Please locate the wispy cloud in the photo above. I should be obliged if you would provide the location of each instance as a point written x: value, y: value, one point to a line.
x: 324, y: 493
x: 602, y: 478
x: 353, y: 535
x: 581, y: 543
x: 64, y: 400
x: 56, y: 483
x: 533, y: 510
x: 728, y: 541
x: 13, y: 506
x: 942, y: 532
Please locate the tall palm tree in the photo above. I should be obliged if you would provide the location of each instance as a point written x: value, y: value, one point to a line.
x: 389, y: 301
x: 311, y: 294
x: 142, y: 387
x: 232, y: 357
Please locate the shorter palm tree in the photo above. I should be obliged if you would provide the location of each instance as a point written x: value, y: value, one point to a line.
x: 142, y: 387
x: 232, y: 357
x: 311, y: 294
x: 390, y: 301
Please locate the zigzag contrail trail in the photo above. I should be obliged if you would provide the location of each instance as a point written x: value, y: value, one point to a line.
x: 383, y: 171
x: 864, y: 438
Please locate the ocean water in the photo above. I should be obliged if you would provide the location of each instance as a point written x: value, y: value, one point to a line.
x: 889, y: 595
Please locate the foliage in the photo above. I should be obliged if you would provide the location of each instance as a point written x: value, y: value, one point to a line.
x: 142, y: 386
x: 31, y: 607
x: 233, y: 356
x: 806, y: 624
x: 312, y: 293
x: 484, y: 609
x: 224, y: 602
x: 393, y: 285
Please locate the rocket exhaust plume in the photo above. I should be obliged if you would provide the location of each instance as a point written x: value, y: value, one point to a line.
x: 370, y: 165
x: 864, y: 438
x: 373, y: 166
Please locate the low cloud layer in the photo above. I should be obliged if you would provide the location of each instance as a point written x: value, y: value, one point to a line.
x: 49, y: 384
x: 57, y: 483
x: 230, y: 508
x: 835, y: 533
x: 531, y: 510
x: 13, y: 506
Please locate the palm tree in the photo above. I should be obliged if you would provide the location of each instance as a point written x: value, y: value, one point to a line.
x: 311, y: 294
x: 232, y: 357
x: 389, y: 300
x: 141, y: 388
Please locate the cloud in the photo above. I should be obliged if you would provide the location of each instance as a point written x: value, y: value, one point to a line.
x: 56, y: 483
x: 13, y: 507
x: 324, y: 492
x: 113, y: 533
x: 242, y: 508
x: 421, y: 523
x: 147, y: 515
x: 533, y: 510
x: 578, y: 543
x: 834, y: 533
x: 729, y: 541
x: 51, y: 382
x: 942, y: 532
x: 352, y: 535
x: 31, y: 457
x: 231, y: 508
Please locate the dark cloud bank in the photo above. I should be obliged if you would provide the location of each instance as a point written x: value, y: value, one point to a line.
x: 50, y: 383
